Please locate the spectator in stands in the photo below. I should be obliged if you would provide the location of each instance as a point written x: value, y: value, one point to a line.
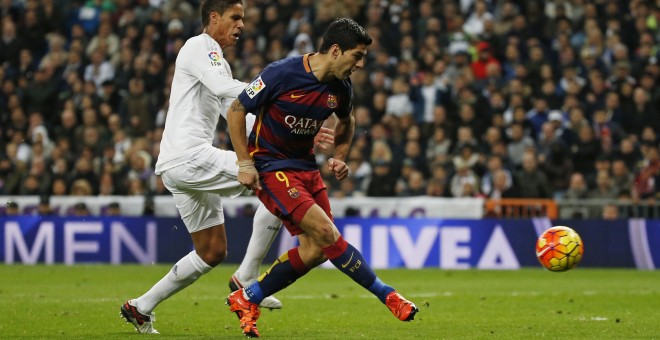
x: 502, y: 186
x: 604, y: 188
x: 484, y: 61
x: 22, y: 152
x: 648, y: 175
x: 84, y: 170
x: 547, y: 139
x: 467, y: 155
x: 105, y: 37
x: 622, y: 178
x: 107, y: 185
x: 538, y: 115
x: 99, y: 69
x: 576, y: 120
x: 436, y: 188
x: 361, y: 170
x: 438, y: 146
x: 649, y: 136
x: 12, y: 209
x: 493, y: 166
x: 464, y: 182
x: 59, y: 187
x: 413, y: 151
x: 80, y: 210
x: 32, y: 32
x: 440, y: 121
x: 136, y: 187
x: 382, y: 182
x: 44, y: 208
x: 585, y: 151
x: 41, y: 93
x: 639, y: 113
x: 114, y: 209
x: 605, y: 128
x: 493, y: 136
x: 141, y: 167
x: 610, y: 212
x: 629, y: 153
x: 30, y: 186
x: 136, y: 108
x: 558, y: 168
x: 518, y: 144
x: 467, y: 117
x: 81, y: 187
x: 577, y: 187
x: 10, y: 171
x: 530, y: 181
x: 10, y: 45
x: 398, y: 104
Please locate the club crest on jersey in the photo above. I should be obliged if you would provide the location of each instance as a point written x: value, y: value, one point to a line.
x: 215, y: 58
x: 293, y: 192
x: 332, y: 101
x: 255, y: 87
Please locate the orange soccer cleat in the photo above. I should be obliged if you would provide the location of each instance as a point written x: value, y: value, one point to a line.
x: 247, y: 313
x: 403, y: 309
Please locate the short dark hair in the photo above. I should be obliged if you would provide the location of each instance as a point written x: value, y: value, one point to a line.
x: 219, y: 6
x: 346, y: 33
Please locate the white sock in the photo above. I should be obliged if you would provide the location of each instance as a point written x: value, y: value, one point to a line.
x: 182, y: 274
x: 264, y: 230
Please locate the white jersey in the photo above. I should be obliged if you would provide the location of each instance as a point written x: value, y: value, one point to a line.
x: 202, y: 90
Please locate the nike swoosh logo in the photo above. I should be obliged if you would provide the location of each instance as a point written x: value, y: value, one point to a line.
x: 294, y: 96
x: 347, y: 262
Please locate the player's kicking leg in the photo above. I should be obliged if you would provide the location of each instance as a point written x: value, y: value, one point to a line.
x: 350, y: 261
x: 264, y: 230
x: 298, y: 261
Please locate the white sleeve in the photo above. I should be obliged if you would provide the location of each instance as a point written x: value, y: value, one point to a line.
x: 249, y: 123
x: 198, y: 63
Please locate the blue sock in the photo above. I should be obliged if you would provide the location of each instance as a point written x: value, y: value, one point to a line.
x: 285, y: 270
x: 380, y: 289
x: 254, y: 293
x: 351, y: 262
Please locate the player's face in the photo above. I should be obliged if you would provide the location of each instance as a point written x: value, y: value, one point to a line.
x: 226, y: 28
x: 350, y: 61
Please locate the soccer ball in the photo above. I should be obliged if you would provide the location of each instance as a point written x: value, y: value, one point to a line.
x: 559, y: 249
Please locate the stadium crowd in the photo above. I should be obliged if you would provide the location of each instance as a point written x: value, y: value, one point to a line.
x: 459, y: 98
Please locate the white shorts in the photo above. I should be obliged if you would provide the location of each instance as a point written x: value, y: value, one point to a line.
x: 198, y: 184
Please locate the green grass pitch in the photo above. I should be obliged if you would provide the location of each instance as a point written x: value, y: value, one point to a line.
x: 82, y: 302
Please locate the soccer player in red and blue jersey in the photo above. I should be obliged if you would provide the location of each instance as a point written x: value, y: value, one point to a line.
x: 292, y: 98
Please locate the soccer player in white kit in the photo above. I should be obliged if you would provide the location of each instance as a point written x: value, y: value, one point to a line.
x: 197, y: 173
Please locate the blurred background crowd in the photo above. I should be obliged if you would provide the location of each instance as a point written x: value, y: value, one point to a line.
x: 459, y: 98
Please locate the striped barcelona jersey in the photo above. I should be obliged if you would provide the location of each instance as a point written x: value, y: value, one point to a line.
x: 291, y: 104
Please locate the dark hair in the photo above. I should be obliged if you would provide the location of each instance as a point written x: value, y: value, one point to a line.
x: 219, y: 6
x: 346, y: 33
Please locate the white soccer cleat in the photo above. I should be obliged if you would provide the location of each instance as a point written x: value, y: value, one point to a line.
x: 142, y: 323
x: 270, y: 302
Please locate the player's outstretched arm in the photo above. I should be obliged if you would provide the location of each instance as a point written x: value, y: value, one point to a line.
x: 343, y: 137
x: 247, y: 173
